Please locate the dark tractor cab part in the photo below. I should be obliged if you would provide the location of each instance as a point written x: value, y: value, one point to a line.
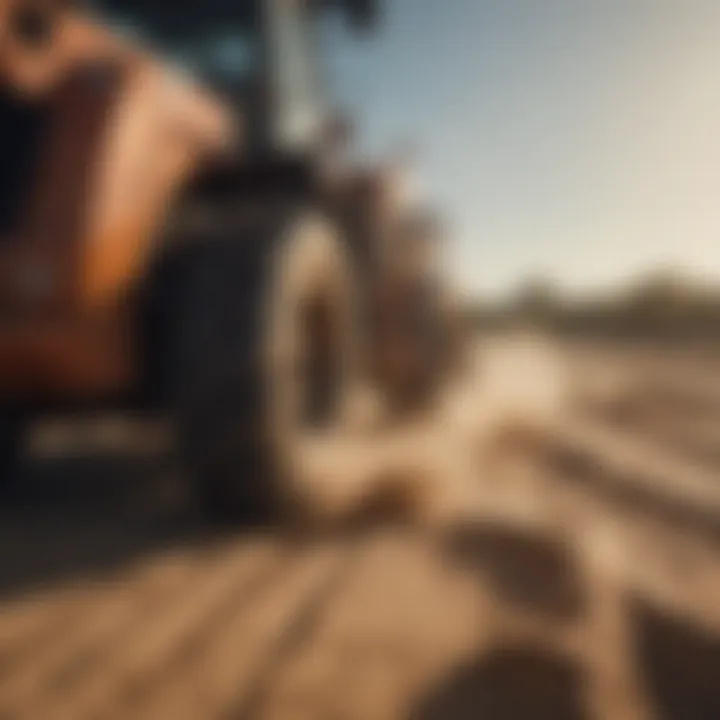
x: 260, y: 54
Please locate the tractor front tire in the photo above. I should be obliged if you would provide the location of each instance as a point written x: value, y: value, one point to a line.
x: 266, y: 355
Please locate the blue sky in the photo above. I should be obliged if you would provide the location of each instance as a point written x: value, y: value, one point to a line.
x: 575, y: 138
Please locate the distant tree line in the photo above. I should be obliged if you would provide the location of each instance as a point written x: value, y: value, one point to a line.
x: 659, y: 305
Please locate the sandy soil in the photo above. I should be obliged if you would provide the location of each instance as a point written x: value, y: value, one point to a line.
x: 543, y: 545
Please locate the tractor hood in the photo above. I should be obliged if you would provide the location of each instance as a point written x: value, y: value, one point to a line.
x: 97, y: 136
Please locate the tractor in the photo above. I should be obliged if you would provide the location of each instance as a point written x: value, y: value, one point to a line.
x: 182, y: 233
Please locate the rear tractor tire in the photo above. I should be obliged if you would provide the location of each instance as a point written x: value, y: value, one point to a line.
x: 266, y: 358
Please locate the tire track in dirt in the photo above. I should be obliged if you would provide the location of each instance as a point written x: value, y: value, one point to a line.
x: 679, y: 408
x: 607, y: 503
x: 95, y: 617
x: 633, y: 551
x: 31, y: 622
x: 231, y: 670
x: 100, y: 620
x: 155, y: 637
x: 631, y: 470
x: 403, y: 614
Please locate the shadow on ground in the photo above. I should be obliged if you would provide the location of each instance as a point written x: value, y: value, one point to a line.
x: 525, y: 569
x: 512, y: 683
x: 85, y: 517
x: 680, y: 665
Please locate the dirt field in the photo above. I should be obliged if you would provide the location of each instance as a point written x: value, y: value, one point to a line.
x: 564, y: 565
